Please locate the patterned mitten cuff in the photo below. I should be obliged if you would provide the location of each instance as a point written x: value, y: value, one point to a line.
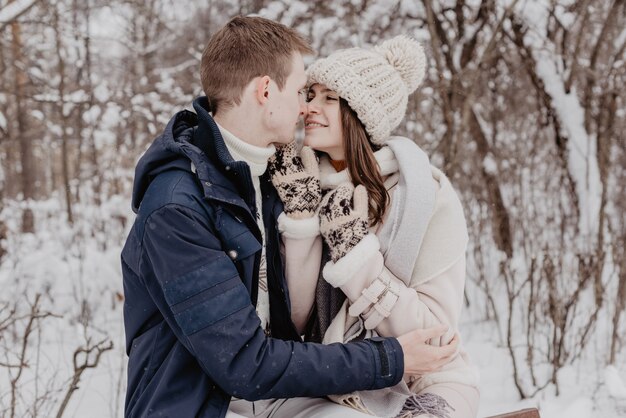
x: 343, y: 218
x: 296, y: 178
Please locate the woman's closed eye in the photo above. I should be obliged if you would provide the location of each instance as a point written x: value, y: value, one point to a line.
x: 327, y: 98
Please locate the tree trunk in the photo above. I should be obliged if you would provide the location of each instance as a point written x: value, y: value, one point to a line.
x: 93, y: 150
x: 620, y: 304
x: 3, y: 228
x: 27, y: 176
x: 63, y: 119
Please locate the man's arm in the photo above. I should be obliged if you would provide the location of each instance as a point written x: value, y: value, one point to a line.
x: 201, y: 296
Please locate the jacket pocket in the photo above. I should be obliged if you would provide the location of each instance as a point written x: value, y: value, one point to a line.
x: 241, y: 246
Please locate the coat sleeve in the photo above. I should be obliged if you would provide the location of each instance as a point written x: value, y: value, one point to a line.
x: 197, y: 289
x: 408, y: 307
x: 302, y: 254
x: 392, y: 306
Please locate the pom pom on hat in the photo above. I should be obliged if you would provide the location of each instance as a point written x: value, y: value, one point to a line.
x: 406, y: 55
x: 375, y: 82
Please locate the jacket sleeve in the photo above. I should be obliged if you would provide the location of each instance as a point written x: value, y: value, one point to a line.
x: 302, y: 254
x: 432, y: 295
x: 197, y: 288
x: 392, y: 307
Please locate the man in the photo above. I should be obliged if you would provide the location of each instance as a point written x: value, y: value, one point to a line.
x: 206, y: 236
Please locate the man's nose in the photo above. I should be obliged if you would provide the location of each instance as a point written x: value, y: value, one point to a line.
x: 303, y: 109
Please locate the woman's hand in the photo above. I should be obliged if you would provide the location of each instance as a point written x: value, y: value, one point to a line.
x: 344, y: 218
x: 421, y: 358
x: 297, y: 180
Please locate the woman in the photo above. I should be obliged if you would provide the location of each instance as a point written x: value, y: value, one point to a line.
x: 393, y: 224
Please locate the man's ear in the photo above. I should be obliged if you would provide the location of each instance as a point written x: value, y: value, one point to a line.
x: 262, y: 91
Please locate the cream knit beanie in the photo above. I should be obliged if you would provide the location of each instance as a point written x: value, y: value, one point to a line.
x: 375, y: 83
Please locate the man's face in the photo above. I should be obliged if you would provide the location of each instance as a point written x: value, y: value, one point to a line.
x: 287, y: 105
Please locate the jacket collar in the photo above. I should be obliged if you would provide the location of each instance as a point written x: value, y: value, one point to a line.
x: 226, y: 179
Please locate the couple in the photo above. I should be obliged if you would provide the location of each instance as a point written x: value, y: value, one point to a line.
x: 246, y: 255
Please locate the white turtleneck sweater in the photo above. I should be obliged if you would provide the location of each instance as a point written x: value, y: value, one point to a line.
x: 301, y: 247
x: 256, y: 158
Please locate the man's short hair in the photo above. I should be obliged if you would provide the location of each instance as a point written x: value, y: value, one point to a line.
x: 245, y: 48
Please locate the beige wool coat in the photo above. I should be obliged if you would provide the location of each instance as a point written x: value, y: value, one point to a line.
x: 430, y: 288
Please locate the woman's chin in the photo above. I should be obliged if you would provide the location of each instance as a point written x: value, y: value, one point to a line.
x: 311, y: 142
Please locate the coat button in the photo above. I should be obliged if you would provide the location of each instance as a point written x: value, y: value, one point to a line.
x: 232, y: 254
x: 227, y: 168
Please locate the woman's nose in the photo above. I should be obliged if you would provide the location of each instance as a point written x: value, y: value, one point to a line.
x: 312, y: 107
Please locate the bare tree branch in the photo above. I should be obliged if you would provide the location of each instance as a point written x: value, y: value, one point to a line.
x: 80, y: 366
x: 14, y: 10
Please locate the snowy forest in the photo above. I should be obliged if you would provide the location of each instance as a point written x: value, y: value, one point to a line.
x: 523, y: 109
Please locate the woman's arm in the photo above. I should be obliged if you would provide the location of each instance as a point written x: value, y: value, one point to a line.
x: 296, y: 179
x: 397, y: 308
x: 302, y: 253
x: 387, y: 303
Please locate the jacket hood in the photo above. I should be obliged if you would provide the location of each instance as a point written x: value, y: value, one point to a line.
x: 165, y: 153
x: 192, y: 142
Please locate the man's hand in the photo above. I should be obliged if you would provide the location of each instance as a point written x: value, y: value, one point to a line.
x: 421, y: 358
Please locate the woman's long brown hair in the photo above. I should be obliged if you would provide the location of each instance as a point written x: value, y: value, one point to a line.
x: 361, y: 163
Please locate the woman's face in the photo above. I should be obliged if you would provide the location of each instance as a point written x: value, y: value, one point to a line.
x: 322, y: 122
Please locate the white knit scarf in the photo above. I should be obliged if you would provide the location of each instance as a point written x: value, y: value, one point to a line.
x: 412, y: 204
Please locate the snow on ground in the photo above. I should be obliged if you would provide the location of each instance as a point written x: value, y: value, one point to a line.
x: 589, y: 389
x: 81, y: 263
x: 615, y: 383
x: 586, y: 391
x: 77, y: 271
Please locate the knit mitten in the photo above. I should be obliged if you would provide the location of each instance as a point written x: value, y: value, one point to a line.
x: 297, y: 180
x: 344, y: 218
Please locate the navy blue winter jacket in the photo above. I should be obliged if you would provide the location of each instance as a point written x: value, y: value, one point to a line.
x: 190, y: 268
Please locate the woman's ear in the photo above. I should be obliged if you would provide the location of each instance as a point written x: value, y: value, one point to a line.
x: 262, y: 91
